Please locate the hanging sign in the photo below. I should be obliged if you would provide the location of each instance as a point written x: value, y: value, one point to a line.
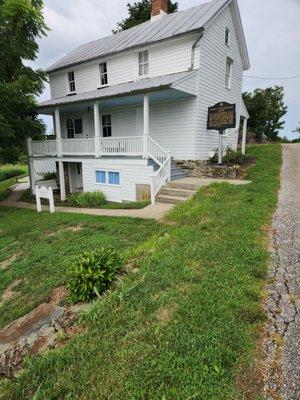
x: 221, y: 116
x: 42, y: 192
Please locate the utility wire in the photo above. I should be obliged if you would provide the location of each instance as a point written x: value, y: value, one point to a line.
x: 269, y: 78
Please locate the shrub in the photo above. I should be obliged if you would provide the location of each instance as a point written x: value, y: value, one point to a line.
x: 233, y: 157
x: 92, y: 273
x: 10, y: 171
x: 87, y: 199
x: 48, y: 176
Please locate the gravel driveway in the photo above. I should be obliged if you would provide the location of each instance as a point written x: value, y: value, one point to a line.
x: 283, y: 341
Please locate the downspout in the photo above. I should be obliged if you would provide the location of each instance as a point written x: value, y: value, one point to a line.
x: 193, y: 49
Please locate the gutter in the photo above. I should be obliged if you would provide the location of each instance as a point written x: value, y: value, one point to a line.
x: 194, y: 48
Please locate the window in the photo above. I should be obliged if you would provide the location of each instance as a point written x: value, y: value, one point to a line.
x: 103, y: 74
x: 74, y: 126
x: 228, y: 73
x: 227, y: 35
x: 106, y: 125
x: 71, y: 78
x: 100, y: 176
x: 144, y: 63
x: 114, y: 178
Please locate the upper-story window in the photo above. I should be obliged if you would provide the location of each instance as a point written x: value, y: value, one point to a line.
x: 103, y: 74
x: 74, y: 126
x: 144, y: 63
x: 71, y: 78
x: 228, y: 72
x: 106, y: 125
x: 227, y: 36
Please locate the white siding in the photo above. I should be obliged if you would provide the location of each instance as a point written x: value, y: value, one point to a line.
x: 172, y: 125
x: 132, y: 172
x: 211, y: 84
x: 165, y: 58
x: 43, y: 166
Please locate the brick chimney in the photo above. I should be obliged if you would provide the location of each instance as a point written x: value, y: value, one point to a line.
x: 159, y: 9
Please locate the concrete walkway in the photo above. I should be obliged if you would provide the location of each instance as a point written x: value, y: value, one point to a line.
x: 156, y: 211
x: 283, y: 334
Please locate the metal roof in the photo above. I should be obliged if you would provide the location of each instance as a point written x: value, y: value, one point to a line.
x: 158, y: 82
x: 172, y: 25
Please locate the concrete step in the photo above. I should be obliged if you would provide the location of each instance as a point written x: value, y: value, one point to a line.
x: 162, y: 198
x: 179, y: 175
x: 182, y: 185
x: 177, y: 192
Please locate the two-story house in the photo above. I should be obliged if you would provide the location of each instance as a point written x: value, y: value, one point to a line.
x: 128, y: 106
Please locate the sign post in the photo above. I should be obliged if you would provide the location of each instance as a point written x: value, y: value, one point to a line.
x: 221, y: 116
x: 42, y: 192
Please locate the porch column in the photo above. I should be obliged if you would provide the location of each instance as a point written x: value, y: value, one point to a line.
x: 244, y: 135
x: 62, y: 185
x: 97, y: 128
x: 31, y: 170
x: 58, y: 132
x: 146, y: 125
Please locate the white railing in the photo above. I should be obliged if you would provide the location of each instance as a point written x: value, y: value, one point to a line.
x: 78, y: 146
x: 121, y: 146
x: 156, y: 152
x: 43, y: 147
x: 159, y: 179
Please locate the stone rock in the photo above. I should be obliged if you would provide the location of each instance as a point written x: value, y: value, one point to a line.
x: 30, y: 334
x: 204, y: 169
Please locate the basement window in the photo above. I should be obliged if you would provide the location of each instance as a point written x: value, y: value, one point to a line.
x: 103, y: 74
x: 143, y: 63
x: 71, y: 79
x: 100, y: 176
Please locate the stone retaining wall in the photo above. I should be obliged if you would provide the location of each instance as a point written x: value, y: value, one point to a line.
x: 204, y: 169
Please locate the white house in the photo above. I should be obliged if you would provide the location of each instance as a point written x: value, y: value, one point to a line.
x: 128, y: 106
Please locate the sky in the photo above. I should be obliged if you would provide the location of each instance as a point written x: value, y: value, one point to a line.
x: 272, y: 31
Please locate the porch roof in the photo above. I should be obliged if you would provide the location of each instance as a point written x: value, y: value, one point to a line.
x: 123, y: 89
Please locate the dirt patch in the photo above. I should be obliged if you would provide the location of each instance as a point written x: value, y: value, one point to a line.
x: 130, y: 267
x: 74, y: 228
x: 6, y: 263
x: 58, y: 295
x: 10, y: 291
x: 164, y: 314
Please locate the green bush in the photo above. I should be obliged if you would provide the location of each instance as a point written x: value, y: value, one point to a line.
x: 10, y: 171
x: 92, y: 273
x: 86, y: 199
x: 233, y: 157
x: 48, y: 176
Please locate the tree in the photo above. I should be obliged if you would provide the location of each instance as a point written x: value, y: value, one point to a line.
x: 266, y: 108
x: 140, y: 12
x: 21, y: 24
x: 297, y: 129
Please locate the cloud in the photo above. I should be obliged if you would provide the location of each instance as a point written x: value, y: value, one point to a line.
x: 271, y: 27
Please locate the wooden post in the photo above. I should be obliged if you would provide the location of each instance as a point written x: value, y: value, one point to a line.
x: 146, y: 125
x: 62, y: 185
x: 244, y: 135
x: 58, y: 132
x: 97, y: 129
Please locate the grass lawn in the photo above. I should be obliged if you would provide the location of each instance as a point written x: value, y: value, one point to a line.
x: 184, y: 327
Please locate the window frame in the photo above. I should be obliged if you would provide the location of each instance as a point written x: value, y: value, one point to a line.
x: 143, y: 63
x: 106, y: 173
x: 227, y: 36
x: 103, y: 74
x: 228, y: 72
x: 105, y: 126
x: 71, y: 82
x: 71, y: 130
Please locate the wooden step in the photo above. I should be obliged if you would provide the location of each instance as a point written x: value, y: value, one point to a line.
x: 177, y: 192
x: 162, y: 198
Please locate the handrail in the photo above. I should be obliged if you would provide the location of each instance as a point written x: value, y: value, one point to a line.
x: 160, y: 177
x: 156, y: 152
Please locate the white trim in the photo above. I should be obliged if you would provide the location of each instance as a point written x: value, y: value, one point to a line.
x: 107, y: 184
